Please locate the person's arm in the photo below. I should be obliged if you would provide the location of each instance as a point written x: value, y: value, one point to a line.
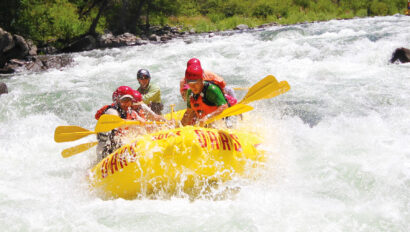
x: 151, y: 113
x: 181, y: 88
x: 112, y: 111
x: 188, y: 117
x: 230, y: 92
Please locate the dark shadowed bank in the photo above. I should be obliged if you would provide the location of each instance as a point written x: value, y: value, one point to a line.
x: 18, y: 54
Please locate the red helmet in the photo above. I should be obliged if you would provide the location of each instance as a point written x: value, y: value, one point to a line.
x: 194, y: 72
x: 193, y: 61
x: 137, y: 96
x: 122, y: 92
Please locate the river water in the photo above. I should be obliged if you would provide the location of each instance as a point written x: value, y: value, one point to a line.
x: 337, y: 142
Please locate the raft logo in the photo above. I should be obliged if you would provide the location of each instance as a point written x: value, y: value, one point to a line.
x: 118, y: 160
x: 221, y: 140
x: 161, y: 136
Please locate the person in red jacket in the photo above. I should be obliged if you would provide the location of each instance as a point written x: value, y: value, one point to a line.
x: 204, y: 99
x: 143, y: 110
x: 122, y: 101
x: 228, y: 92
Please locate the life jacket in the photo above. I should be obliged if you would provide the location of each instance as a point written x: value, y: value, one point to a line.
x: 200, y: 104
x: 218, y: 81
x: 139, y: 111
x: 123, y: 115
x: 102, y: 111
x: 215, y: 79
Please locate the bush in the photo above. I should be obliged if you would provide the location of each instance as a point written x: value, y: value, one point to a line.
x: 216, y: 17
x: 50, y: 21
x: 232, y: 7
x: 378, y: 8
x: 263, y: 10
x: 362, y: 13
x: 303, y: 3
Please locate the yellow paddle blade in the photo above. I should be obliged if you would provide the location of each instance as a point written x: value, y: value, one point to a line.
x: 261, y: 89
x: 77, y: 149
x: 283, y: 87
x: 231, y: 111
x: 70, y: 133
x: 240, y: 88
x: 109, y: 122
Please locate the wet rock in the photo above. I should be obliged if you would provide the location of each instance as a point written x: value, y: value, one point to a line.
x: 401, y: 54
x: 57, y: 62
x: 84, y: 43
x: 127, y: 39
x: 33, y: 48
x: 6, y: 41
x: 3, y: 88
x: 19, y: 50
x: 107, y: 40
x: 154, y: 37
x: 47, y: 50
x: 6, y: 70
x: 13, y: 47
x: 140, y: 41
x: 165, y: 38
x: 37, y: 63
x: 242, y: 27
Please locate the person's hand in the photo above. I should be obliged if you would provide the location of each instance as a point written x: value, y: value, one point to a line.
x: 203, y: 120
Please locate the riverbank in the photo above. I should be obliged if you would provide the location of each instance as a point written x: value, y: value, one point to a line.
x: 20, y: 55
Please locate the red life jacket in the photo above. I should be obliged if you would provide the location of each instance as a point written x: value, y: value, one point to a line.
x: 219, y: 81
x: 123, y: 115
x: 139, y: 111
x: 200, y: 105
x: 102, y: 111
x: 215, y: 79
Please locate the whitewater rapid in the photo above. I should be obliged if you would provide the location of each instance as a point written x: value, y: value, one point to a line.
x: 338, y: 141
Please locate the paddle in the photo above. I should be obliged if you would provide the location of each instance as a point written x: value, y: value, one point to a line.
x: 70, y: 133
x: 231, y: 111
x: 283, y: 87
x: 77, y: 149
x: 261, y: 90
x: 266, y: 88
x: 240, y: 88
x: 109, y: 122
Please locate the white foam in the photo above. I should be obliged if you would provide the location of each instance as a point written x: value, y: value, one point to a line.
x: 337, y: 142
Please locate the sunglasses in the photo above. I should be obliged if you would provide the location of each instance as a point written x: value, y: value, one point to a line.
x: 127, y: 99
x: 143, y: 77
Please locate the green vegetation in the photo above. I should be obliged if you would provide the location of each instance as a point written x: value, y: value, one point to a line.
x: 59, y: 21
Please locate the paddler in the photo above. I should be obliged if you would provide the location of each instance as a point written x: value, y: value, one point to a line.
x: 143, y: 110
x: 204, y: 99
x: 151, y: 94
x: 122, y: 102
x: 210, y: 77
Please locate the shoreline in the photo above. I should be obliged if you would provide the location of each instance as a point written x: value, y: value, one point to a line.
x: 53, y: 58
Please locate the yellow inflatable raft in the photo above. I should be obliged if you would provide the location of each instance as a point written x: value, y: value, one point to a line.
x: 180, y: 160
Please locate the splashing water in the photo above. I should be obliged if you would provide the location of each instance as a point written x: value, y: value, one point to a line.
x: 339, y: 158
